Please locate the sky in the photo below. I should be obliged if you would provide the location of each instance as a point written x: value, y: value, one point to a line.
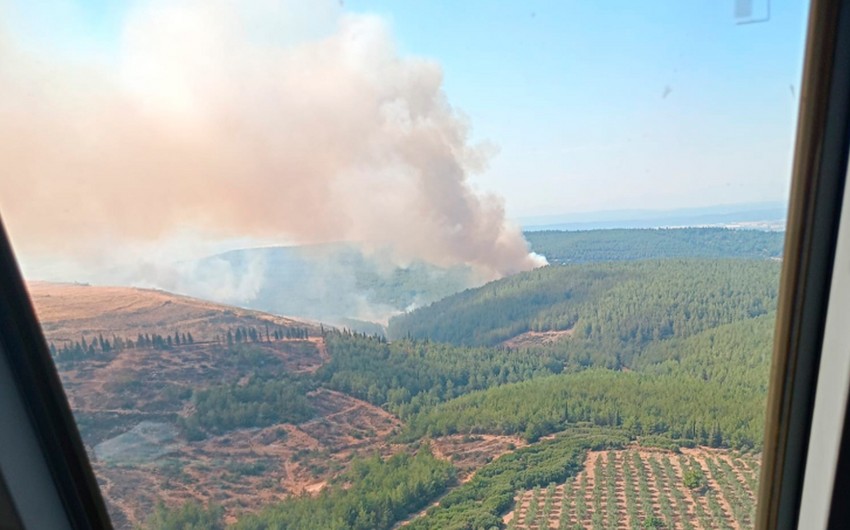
x: 584, y: 105
x: 618, y: 104
x: 429, y: 127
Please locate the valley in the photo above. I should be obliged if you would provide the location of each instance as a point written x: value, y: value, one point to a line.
x: 375, y: 265
x: 348, y: 287
x: 576, y: 395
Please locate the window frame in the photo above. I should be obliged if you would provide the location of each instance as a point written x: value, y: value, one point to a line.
x: 818, y: 179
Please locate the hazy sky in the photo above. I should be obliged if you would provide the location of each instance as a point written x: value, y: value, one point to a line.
x: 587, y: 105
x: 138, y: 133
x: 618, y: 104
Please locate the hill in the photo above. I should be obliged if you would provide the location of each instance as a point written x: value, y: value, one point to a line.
x: 636, y: 244
x: 69, y: 311
x: 217, y: 411
x: 198, y: 405
x: 611, y: 309
x: 336, y: 283
x: 222, y: 412
x: 347, y: 286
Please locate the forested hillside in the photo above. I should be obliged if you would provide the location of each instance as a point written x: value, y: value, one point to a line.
x: 681, y: 407
x: 372, y: 495
x: 350, y: 287
x: 664, y: 353
x: 613, y: 309
x: 459, y: 417
x: 625, y: 245
x: 407, y: 376
x: 736, y: 355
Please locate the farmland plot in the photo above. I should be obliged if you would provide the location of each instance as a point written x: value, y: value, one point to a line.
x: 647, y: 488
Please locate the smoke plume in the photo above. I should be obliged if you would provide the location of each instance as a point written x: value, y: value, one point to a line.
x: 277, y: 121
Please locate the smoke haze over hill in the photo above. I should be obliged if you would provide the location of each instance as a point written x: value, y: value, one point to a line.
x: 277, y: 121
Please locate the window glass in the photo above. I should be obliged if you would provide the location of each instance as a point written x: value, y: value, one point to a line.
x: 367, y: 264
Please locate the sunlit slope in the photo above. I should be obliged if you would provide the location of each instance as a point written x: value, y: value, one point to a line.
x: 68, y: 312
x: 680, y: 407
x: 709, y: 388
x: 611, y: 308
x: 736, y: 354
x: 667, y: 353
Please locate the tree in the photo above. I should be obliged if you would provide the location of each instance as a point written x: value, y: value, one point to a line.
x: 694, y: 479
x: 189, y: 516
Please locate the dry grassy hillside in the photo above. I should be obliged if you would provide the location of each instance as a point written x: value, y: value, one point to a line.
x: 68, y: 311
x: 130, y: 403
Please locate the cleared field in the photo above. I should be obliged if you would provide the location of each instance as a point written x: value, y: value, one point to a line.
x: 647, y: 488
x: 468, y: 453
x: 130, y: 403
x: 538, y: 338
x: 246, y: 469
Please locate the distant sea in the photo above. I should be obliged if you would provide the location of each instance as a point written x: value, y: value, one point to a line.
x: 755, y: 216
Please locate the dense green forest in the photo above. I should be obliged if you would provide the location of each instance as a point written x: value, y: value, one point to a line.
x: 675, y: 406
x: 407, y: 376
x: 615, y: 309
x: 333, y: 282
x: 372, y: 495
x: 189, y: 516
x: 736, y: 354
x: 640, y: 244
x: 709, y: 388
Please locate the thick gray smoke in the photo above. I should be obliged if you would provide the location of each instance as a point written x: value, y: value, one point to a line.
x: 275, y: 121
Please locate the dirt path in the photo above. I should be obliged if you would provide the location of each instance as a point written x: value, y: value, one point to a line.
x: 457, y: 449
x: 347, y: 410
x: 423, y: 511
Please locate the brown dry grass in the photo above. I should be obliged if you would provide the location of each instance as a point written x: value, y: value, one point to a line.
x: 296, y: 459
x: 470, y: 452
x: 69, y: 311
x: 111, y: 392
